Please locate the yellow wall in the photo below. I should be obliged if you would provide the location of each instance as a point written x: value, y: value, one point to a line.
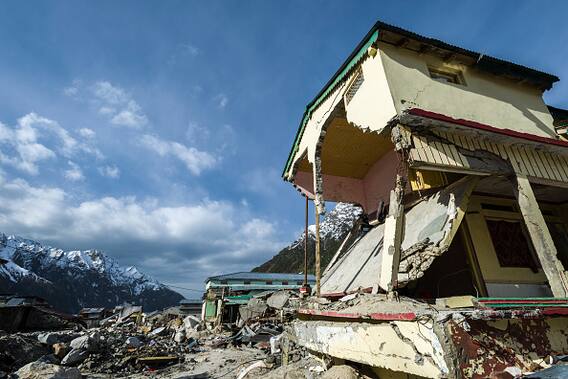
x: 484, y: 98
x: 370, y: 109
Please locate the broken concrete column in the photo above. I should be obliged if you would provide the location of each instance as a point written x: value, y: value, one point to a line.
x: 540, y: 236
x: 392, y: 239
x: 318, y: 254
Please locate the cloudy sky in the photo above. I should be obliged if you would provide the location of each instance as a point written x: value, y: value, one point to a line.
x: 157, y: 130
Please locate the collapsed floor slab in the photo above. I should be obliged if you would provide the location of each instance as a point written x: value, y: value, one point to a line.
x: 434, y: 341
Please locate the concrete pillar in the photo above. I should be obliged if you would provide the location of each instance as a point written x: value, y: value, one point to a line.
x: 392, y: 238
x: 540, y: 236
x: 318, y: 254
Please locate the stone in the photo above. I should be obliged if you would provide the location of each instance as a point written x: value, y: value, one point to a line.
x: 157, y: 331
x: 74, y: 357
x: 40, y: 370
x: 191, y: 322
x: 180, y: 336
x: 60, y: 349
x: 340, y: 372
x: 133, y: 342
x: 87, y: 342
x: 278, y: 299
x: 51, y: 338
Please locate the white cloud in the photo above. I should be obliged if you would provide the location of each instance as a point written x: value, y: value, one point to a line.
x: 130, y: 116
x: 26, y: 149
x: 74, y: 173
x: 196, y: 236
x: 196, y: 133
x: 117, y: 104
x: 73, y: 89
x: 87, y: 133
x: 190, y: 49
x: 110, y: 171
x: 30, y: 123
x: 194, y: 160
x: 110, y: 94
x: 222, y: 100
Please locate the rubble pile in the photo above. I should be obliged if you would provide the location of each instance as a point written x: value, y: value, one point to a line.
x: 130, y: 343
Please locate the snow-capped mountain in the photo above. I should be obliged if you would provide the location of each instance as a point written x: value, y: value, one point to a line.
x: 70, y: 280
x: 333, y: 229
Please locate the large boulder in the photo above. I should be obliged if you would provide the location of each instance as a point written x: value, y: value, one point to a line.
x: 41, y: 370
x: 74, y: 357
x: 340, y: 372
x: 51, y: 338
x: 278, y: 299
x: 88, y: 342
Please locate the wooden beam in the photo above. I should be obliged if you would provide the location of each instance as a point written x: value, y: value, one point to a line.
x: 540, y: 236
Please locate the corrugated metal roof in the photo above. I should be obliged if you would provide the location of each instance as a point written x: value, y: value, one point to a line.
x: 559, y: 115
x: 261, y: 276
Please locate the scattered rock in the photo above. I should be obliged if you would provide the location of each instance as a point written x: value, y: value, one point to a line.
x: 60, y: 349
x: 180, y: 336
x: 278, y: 299
x: 74, y: 357
x: 340, y: 372
x: 41, y: 370
x: 133, y: 342
x: 87, y: 342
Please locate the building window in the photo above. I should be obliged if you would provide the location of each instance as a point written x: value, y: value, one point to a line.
x: 224, y: 282
x: 269, y: 282
x: 285, y: 283
x: 246, y: 282
x: 354, y: 86
x: 446, y: 75
x: 512, y: 247
x: 299, y: 283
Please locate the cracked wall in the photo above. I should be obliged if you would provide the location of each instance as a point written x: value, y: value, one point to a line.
x: 484, y: 98
x: 410, y: 347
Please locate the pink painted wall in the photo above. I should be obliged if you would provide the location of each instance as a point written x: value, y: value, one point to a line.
x: 341, y: 188
x: 367, y: 192
x: 304, y: 181
x: 379, y: 181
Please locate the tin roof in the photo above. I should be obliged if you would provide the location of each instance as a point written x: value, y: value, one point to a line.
x: 559, y: 115
x: 261, y: 276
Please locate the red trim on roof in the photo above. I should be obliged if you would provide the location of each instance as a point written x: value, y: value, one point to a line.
x: 523, y: 301
x: 488, y: 128
x: 404, y: 316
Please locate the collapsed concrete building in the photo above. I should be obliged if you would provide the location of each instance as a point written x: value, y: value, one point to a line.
x: 461, y: 170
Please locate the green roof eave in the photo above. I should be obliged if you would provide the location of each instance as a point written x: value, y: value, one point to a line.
x: 339, y: 76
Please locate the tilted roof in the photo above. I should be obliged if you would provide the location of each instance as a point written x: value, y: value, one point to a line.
x: 394, y: 35
x: 260, y: 276
x: 559, y: 115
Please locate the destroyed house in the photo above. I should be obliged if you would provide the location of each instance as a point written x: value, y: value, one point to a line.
x: 255, y: 281
x: 225, y: 293
x: 461, y: 170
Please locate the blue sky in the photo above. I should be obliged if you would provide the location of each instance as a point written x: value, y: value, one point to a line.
x: 157, y: 131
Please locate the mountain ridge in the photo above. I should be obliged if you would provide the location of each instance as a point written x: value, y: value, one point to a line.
x: 333, y: 229
x: 71, y: 280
